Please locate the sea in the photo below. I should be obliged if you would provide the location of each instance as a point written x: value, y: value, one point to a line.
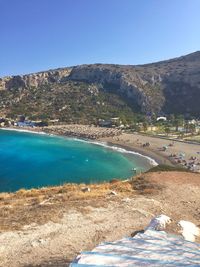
x: 33, y: 160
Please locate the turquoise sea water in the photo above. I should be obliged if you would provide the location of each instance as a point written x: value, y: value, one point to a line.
x: 32, y: 160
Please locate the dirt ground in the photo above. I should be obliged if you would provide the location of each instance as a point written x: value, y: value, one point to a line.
x: 50, y: 226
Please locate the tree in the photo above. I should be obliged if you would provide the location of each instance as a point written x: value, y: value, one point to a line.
x: 186, y: 126
x: 179, y: 121
x: 145, y: 126
x: 192, y: 128
x: 153, y: 118
x: 123, y: 119
x: 172, y: 119
x: 167, y: 130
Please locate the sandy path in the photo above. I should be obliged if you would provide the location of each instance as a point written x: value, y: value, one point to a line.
x: 57, y: 243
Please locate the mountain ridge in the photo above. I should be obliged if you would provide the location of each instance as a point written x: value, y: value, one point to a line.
x: 169, y: 86
x: 196, y: 53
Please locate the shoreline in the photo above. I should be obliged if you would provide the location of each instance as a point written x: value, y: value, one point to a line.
x: 149, y: 154
x: 152, y: 158
x: 153, y: 155
x: 23, y: 130
x: 130, y: 144
x: 126, y: 150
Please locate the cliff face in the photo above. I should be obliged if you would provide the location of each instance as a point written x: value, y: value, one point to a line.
x: 34, y: 80
x: 127, y: 81
x: 171, y: 86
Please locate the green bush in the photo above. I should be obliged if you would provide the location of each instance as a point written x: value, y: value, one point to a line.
x: 167, y: 168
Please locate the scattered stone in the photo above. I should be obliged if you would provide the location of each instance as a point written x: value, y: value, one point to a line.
x: 46, y: 201
x: 85, y: 189
x: 41, y: 241
x: 113, y: 193
x: 126, y: 199
x: 113, y: 181
x: 34, y: 244
x: 38, y: 242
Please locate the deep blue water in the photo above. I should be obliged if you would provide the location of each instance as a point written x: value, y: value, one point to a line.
x: 32, y: 160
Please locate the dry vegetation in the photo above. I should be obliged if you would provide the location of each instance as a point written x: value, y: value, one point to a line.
x: 50, y: 226
x: 50, y: 203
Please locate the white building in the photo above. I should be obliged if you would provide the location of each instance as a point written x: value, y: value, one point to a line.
x: 161, y: 119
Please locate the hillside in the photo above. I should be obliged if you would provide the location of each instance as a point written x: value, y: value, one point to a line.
x: 87, y: 92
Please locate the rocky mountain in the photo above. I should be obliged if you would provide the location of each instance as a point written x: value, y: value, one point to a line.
x: 171, y: 86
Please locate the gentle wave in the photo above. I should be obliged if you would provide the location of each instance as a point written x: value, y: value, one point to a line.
x: 119, y: 149
x: 104, y: 144
x: 22, y: 130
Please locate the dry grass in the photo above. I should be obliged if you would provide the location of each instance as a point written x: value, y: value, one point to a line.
x: 73, y: 190
x: 50, y: 203
x: 92, y: 217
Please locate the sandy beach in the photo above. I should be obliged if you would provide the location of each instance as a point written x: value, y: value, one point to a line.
x: 176, y: 152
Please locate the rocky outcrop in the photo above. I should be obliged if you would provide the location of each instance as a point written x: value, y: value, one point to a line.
x: 35, y: 79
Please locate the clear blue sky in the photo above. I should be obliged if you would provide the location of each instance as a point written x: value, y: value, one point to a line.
x: 42, y: 34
